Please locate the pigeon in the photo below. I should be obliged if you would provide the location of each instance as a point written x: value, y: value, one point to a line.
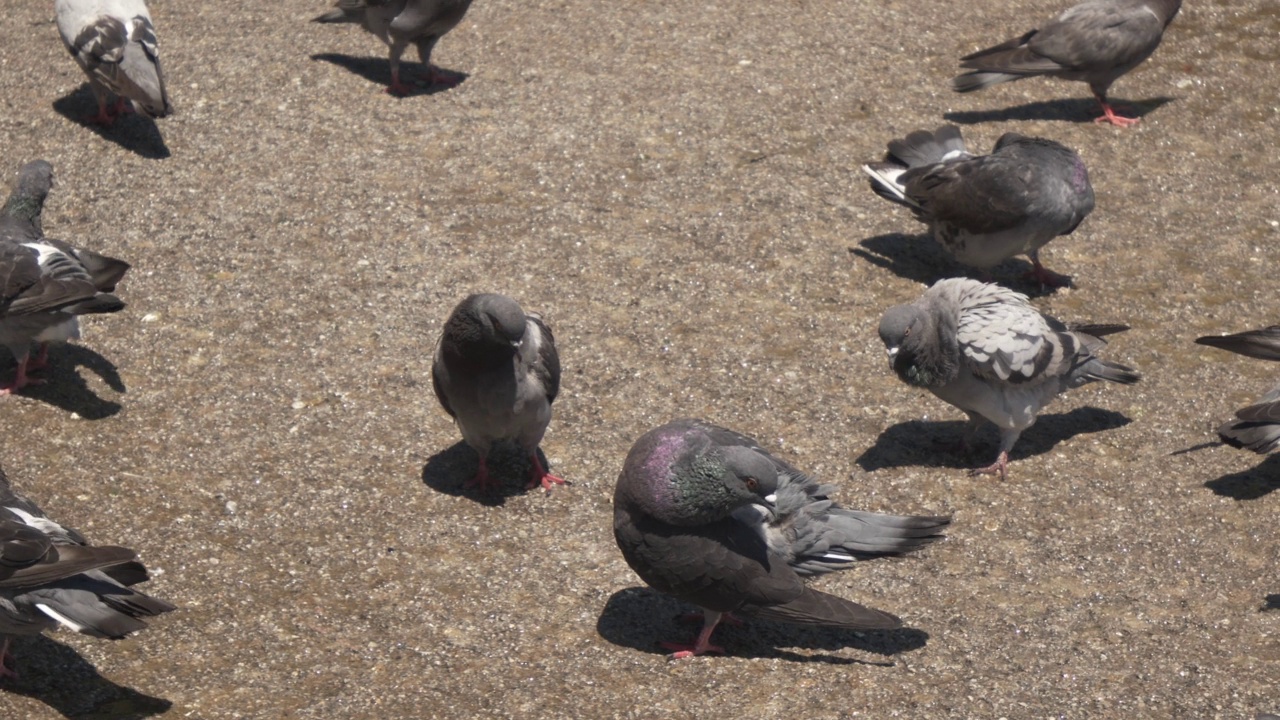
x: 1257, y: 427
x: 50, y: 576
x: 986, y: 350
x: 496, y: 372
x: 399, y: 23
x: 705, y: 514
x: 1096, y: 42
x: 985, y: 209
x: 45, y: 284
x: 114, y: 42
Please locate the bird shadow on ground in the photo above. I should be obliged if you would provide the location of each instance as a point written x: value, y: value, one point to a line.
x: 632, y: 618
x: 448, y: 470
x: 935, y: 444
x: 1073, y: 110
x: 920, y: 258
x: 378, y: 71
x: 1251, y: 484
x: 59, y: 677
x: 131, y: 131
x: 1270, y: 602
x: 67, y: 389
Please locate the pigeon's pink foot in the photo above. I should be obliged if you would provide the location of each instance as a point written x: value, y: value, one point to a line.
x: 5, y: 658
x: 123, y: 107
x: 1109, y: 116
x: 999, y: 467
x: 1047, y: 277
x: 20, y: 380
x: 700, y: 646
x: 482, y: 481
x: 103, y: 118
x: 396, y: 87
x: 540, y: 476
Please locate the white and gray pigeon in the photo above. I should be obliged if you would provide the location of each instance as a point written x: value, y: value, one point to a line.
x: 496, y: 372
x: 705, y: 514
x: 114, y: 41
x: 400, y: 23
x: 45, y: 284
x: 986, y: 350
x: 1256, y: 427
x: 1095, y: 42
x: 51, y: 576
x: 985, y: 209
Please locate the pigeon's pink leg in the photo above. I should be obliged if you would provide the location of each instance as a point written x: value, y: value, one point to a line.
x: 5, y: 657
x: 540, y: 476
x: 123, y: 107
x: 20, y: 379
x: 1109, y: 115
x: 103, y: 118
x: 1000, y: 467
x: 396, y: 87
x: 481, y: 480
x: 701, y: 645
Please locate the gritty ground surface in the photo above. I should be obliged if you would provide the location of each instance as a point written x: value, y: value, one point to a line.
x: 676, y: 187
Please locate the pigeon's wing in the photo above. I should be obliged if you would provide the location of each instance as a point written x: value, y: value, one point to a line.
x: 1257, y: 427
x: 1099, y: 36
x: 439, y: 378
x: 1263, y: 344
x: 724, y: 437
x: 546, y: 367
x: 1003, y: 338
x: 979, y: 194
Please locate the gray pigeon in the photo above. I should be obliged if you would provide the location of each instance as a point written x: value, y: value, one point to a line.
x: 704, y: 514
x: 986, y: 350
x: 1257, y: 427
x: 399, y: 23
x: 988, y: 208
x: 114, y: 42
x: 50, y: 576
x: 45, y: 284
x: 1096, y: 42
x: 496, y: 372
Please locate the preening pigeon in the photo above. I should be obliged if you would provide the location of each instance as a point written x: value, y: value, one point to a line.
x: 114, y: 42
x: 496, y: 372
x: 1096, y: 42
x: 985, y: 209
x: 1257, y: 427
x: 45, y: 284
x: 986, y: 350
x: 704, y: 514
x: 400, y: 23
x: 50, y: 576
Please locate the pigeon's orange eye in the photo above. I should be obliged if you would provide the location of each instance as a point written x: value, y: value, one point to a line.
x: 751, y: 484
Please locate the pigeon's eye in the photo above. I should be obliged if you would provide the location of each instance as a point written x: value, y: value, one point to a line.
x: 751, y: 484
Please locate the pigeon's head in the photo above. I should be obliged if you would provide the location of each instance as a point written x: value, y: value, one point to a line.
x: 912, y: 342
x: 34, y: 182
x: 487, y: 320
x: 682, y: 478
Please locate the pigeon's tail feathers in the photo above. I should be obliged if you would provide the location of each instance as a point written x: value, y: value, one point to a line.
x: 1099, y: 330
x: 97, y: 605
x: 1257, y: 427
x: 819, y: 608
x: 99, y: 304
x: 884, y: 181
x: 338, y: 15
x: 978, y: 80
x: 981, y: 58
x: 140, y: 79
x: 834, y: 538
x: 1099, y: 369
x: 1263, y: 344
x: 922, y: 147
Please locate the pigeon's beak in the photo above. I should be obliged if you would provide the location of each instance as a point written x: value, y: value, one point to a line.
x: 892, y: 352
x: 767, y: 502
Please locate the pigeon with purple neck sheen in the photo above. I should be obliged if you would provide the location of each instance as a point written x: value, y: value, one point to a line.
x: 114, y: 42
x: 45, y: 284
x: 496, y: 372
x: 705, y: 514
x: 985, y: 209
x: 1256, y: 427
x: 51, y: 576
x: 401, y: 23
x: 986, y: 350
x: 1095, y: 42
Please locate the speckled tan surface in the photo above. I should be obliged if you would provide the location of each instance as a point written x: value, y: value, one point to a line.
x: 676, y: 187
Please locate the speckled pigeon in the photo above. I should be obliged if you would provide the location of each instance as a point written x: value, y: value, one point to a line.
x: 114, y: 42
x: 988, y: 208
x: 400, y: 23
x: 45, y: 284
x: 1257, y: 427
x: 704, y: 514
x: 496, y: 372
x: 50, y: 576
x: 986, y: 350
x: 1095, y: 42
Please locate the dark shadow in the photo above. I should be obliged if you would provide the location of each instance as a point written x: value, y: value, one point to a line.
x: 65, y: 388
x: 378, y: 71
x: 935, y: 444
x: 640, y: 618
x: 1197, y: 448
x: 1270, y: 602
x: 449, y: 469
x: 922, y: 259
x: 1251, y: 484
x: 131, y: 131
x: 59, y: 677
x: 1078, y: 110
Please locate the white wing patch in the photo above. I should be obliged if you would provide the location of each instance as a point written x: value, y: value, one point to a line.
x: 60, y: 617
